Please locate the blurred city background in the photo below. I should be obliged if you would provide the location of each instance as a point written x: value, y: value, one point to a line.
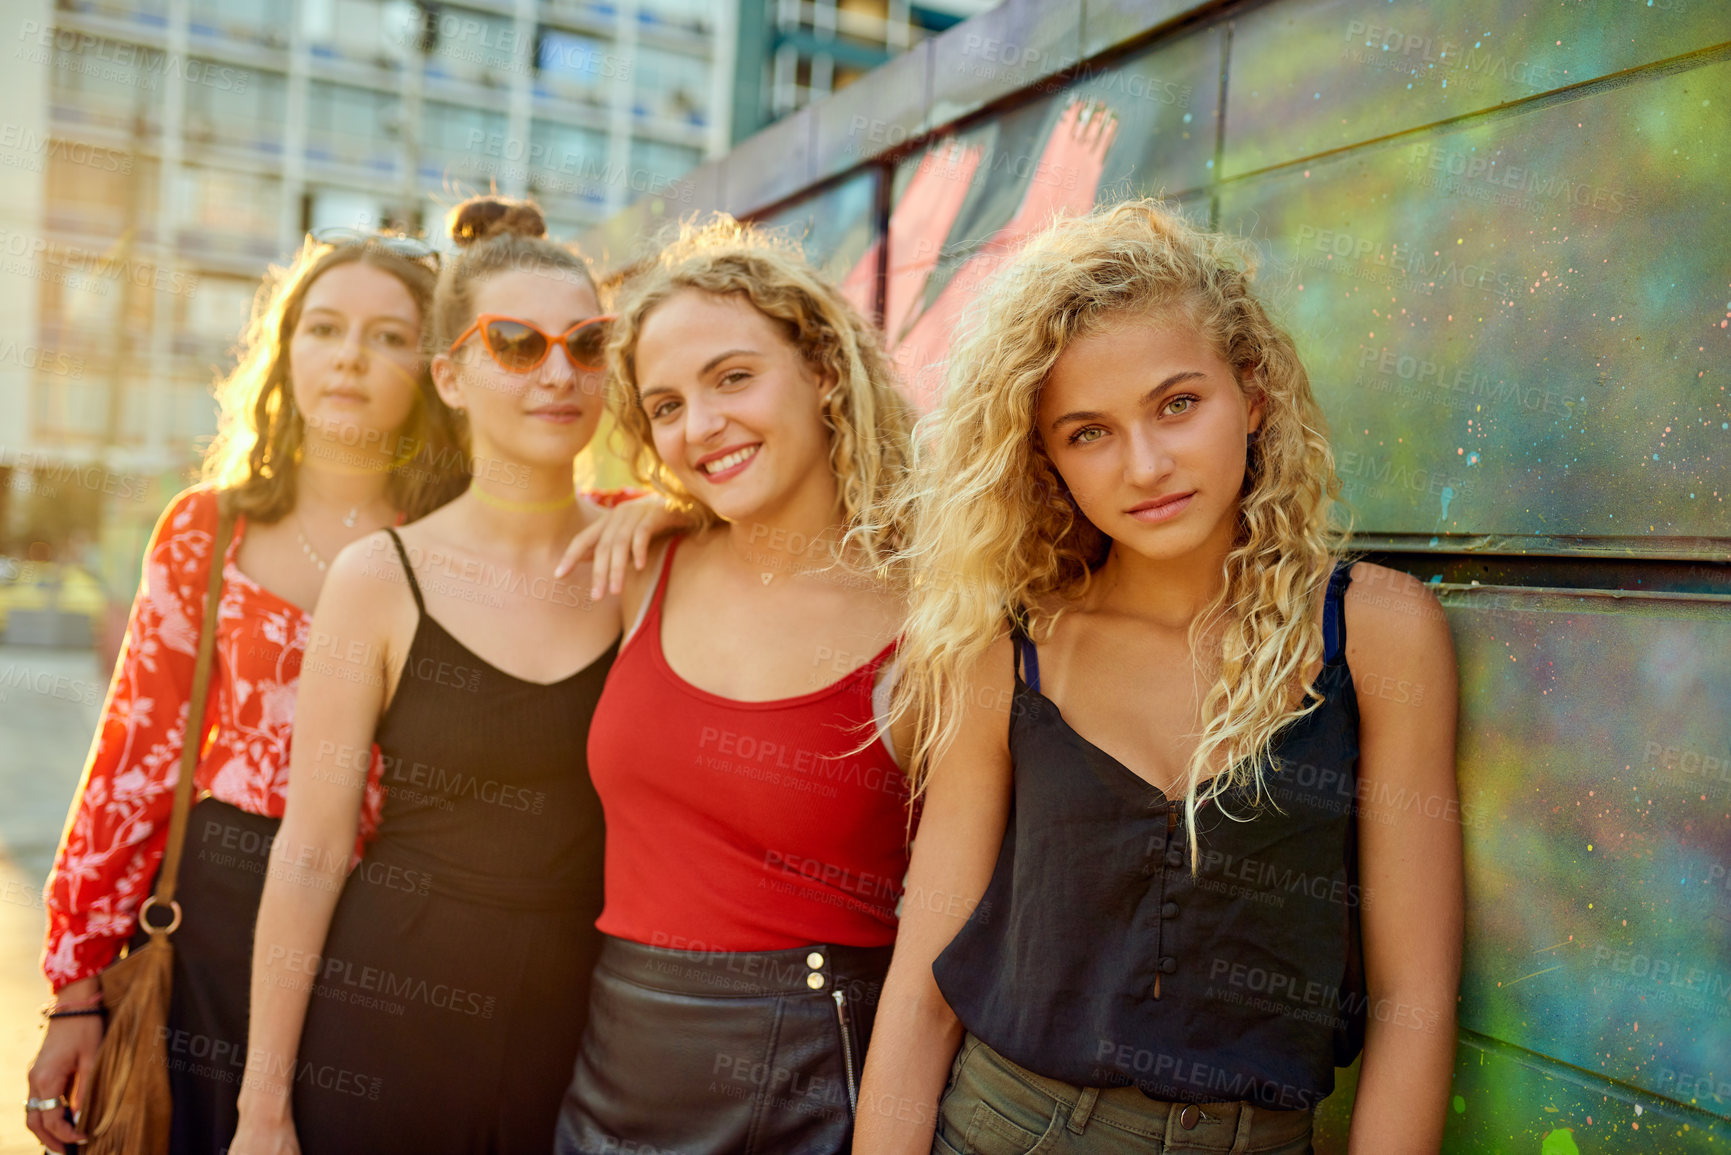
x: 157, y: 155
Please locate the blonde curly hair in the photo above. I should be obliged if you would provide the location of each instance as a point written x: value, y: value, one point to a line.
x: 995, y: 536
x: 870, y: 423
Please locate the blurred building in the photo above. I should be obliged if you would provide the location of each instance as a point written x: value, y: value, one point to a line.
x: 792, y: 52
x: 157, y: 155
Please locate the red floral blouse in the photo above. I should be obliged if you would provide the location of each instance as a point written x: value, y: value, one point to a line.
x: 114, y: 836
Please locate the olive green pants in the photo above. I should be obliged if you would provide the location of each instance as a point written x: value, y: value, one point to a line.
x: 994, y: 1107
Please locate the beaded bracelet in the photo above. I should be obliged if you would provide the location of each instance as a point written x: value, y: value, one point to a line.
x: 75, y: 1005
x: 75, y: 1014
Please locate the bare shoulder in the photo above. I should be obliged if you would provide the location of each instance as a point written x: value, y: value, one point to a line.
x: 368, y: 578
x: 989, y: 690
x: 996, y: 669
x: 1387, y: 609
x: 975, y: 767
x: 1399, y: 650
x: 640, y: 583
x: 698, y: 546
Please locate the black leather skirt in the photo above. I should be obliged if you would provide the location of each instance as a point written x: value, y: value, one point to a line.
x: 712, y: 1052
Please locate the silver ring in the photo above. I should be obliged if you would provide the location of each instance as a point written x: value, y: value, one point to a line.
x: 43, y: 1104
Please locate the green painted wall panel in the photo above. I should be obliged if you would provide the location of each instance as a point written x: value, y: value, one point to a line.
x: 1309, y: 76
x: 1509, y: 334
x: 1595, y: 776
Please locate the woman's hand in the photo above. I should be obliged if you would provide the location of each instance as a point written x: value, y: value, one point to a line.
x: 622, y: 532
x: 64, y: 1061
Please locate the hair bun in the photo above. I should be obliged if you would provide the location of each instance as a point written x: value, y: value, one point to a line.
x: 482, y: 217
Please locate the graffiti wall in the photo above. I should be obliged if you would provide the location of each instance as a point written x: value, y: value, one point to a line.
x: 1499, y: 233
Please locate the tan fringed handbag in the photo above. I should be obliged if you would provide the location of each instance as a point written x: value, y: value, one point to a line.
x: 126, y: 1107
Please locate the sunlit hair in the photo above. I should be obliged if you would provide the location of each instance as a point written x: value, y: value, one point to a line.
x: 261, y: 433
x: 869, y: 421
x: 494, y: 235
x: 995, y: 534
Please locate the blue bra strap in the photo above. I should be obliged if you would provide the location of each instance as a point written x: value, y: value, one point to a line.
x: 1334, y: 613
x: 1030, y: 661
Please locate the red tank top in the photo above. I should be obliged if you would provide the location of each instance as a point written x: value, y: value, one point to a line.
x: 744, y: 826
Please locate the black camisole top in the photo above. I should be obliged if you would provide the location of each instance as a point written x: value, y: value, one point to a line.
x: 1097, y: 958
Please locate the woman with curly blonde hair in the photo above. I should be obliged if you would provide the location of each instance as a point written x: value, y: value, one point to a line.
x: 755, y: 814
x: 1172, y: 866
x: 329, y: 429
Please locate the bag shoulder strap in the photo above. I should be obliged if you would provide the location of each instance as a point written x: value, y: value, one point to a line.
x: 169, y: 875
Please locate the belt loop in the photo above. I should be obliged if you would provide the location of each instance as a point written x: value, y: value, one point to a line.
x: 1084, y: 1108
x: 1241, y: 1141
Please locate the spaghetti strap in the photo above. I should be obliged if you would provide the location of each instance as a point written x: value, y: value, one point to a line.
x: 409, y: 570
x: 1028, y: 658
x: 652, y: 604
x: 1031, y: 663
x: 660, y: 592
x: 1334, y: 613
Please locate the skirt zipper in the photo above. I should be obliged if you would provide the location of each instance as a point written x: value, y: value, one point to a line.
x: 846, y: 1050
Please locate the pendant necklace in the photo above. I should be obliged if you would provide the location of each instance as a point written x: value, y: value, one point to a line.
x: 307, y: 546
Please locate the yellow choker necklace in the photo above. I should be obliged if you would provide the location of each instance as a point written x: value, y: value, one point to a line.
x: 507, y: 504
